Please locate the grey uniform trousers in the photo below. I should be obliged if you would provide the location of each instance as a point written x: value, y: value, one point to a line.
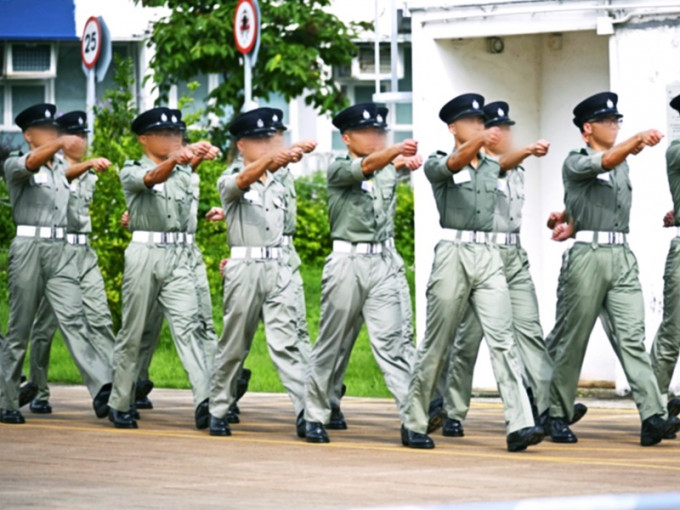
x: 97, y: 318
x: 354, y: 287
x: 43, y: 269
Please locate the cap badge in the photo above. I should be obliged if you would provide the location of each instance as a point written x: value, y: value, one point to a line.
x: 48, y: 114
x: 501, y: 113
x: 275, y: 118
x: 379, y: 118
x: 260, y: 123
x: 366, y: 114
x: 610, y: 103
x: 164, y: 117
x: 81, y: 121
x: 173, y: 119
x: 475, y: 104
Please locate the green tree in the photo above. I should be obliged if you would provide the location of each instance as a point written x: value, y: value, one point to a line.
x: 300, y: 42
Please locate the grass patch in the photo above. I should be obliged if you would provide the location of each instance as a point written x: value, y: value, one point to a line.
x: 363, y: 375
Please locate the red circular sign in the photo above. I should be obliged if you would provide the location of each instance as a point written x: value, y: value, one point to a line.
x: 91, y: 42
x: 245, y: 26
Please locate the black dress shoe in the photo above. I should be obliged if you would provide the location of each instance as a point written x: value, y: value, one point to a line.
x: 560, y: 432
x: 40, y: 407
x: 653, y: 430
x: 27, y: 393
x: 579, y: 412
x: 437, y: 415
x: 337, y: 419
x: 202, y: 415
x: 232, y: 414
x: 523, y: 438
x: 343, y: 390
x: 452, y: 428
x: 316, y: 433
x: 12, y: 417
x: 100, y: 403
x: 143, y: 388
x: 416, y: 440
x: 301, y: 425
x: 122, y: 420
x: 235, y: 408
x: 672, y: 427
x: 134, y: 413
x: 143, y: 403
x: 219, y: 427
x: 242, y: 383
x: 673, y: 407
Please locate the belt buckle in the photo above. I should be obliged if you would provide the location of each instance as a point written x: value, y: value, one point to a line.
x: 53, y: 232
x: 164, y: 237
x: 372, y: 249
x: 614, y: 237
x: 267, y: 252
x: 478, y: 237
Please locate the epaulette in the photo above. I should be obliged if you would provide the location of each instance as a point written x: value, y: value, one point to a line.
x: 437, y: 154
x: 16, y: 153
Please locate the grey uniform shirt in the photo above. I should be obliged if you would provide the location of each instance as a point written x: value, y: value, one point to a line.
x: 38, y: 198
x: 673, y: 170
x: 81, y: 192
x: 597, y: 199
x: 164, y: 207
x: 507, y: 216
x: 286, y: 178
x: 465, y: 200
x: 387, y: 180
x: 255, y: 217
x: 192, y: 225
x: 356, y: 213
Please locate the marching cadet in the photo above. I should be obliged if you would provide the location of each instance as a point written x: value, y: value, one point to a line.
x: 157, y: 268
x: 388, y: 177
x: 79, y: 226
x: 258, y: 278
x: 467, y: 268
x: 507, y: 220
x: 359, y: 277
x: 40, y: 261
x: 667, y: 342
x: 206, y: 332
x: 602, y: 271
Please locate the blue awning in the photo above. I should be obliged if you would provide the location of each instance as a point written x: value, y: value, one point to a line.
x: 33, y: 20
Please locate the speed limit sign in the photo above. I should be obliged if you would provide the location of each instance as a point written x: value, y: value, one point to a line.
x: 246, y: 26
x: 91, y: 42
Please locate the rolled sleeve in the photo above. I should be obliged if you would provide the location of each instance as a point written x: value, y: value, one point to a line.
x: 15, y: 169
x: 132, y: 178
x: 436, y: 169
x: 579, y: 166
x: 346, y: 172
x: 228, y: 188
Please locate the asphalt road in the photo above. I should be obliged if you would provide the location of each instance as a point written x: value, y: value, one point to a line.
x: 71, y: 460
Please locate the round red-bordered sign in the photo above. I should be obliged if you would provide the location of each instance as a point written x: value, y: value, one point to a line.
x: 91, y: 42
x: 245, y: 26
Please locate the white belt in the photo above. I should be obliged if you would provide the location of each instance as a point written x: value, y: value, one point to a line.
x: 677, y: 231
x: 144, y: 236
x: 466, y: 236
x: 507, y: 238
x: 76, y: 238
x: 255, y: 252
x: 360, y: 248
x: 590, y: 236
x: 287, y: 241
x: 41, y: 232
x: 190, y: 238
x: 390, y: 243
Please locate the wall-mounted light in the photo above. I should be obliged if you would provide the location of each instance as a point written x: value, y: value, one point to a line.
x: 495, y: 45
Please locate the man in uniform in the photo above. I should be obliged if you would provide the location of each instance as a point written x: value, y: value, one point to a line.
x: 257, y: 279
x: 206, y: 332
x: 467, y: 269
x: 388, y: 178
x: 359, y: 277
x: 602, y: 271
x: 507, y: 221
x: 95, y: 305
x: 667, y: 342
x: 157, y: 268
x: 40, y: 261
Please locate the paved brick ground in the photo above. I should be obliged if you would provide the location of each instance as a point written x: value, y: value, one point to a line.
x: 71, y: 460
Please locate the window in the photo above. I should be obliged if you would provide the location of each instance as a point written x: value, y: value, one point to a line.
x: 29, y: 60
x: 70, y: 87
x: 26, y: 95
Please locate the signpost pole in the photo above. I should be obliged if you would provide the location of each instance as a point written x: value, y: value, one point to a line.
x: 90, y: 104
x: 246, y: 37
x: 247, y: 82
